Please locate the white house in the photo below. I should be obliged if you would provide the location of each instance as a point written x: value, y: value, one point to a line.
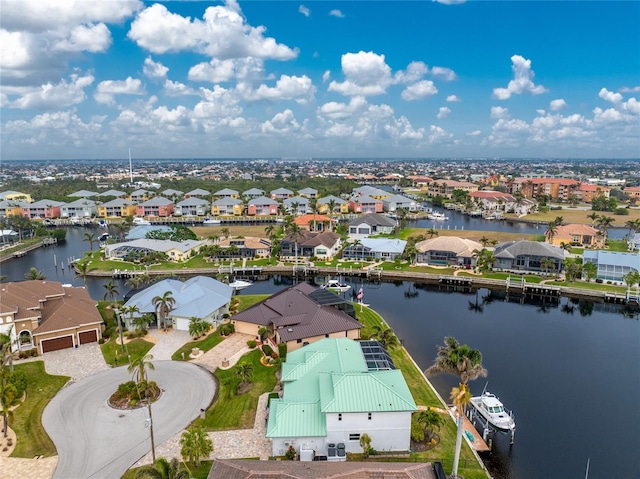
x: 371, y: 224
x: 395, y: 202
x: 192, y: 206
x: 82, y: 208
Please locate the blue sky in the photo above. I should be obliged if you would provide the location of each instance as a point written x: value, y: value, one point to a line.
x: 90, y: 79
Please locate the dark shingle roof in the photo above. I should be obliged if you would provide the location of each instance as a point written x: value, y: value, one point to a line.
x: 373, y: 219
x: 513, y: 249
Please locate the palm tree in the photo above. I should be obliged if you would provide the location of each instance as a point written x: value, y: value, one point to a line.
x: 197, y: 327
x: 244, y: 372
x: 34, y: 274
x: 355, y: 245
x: 546, y: 264
x: 163, y: 469
x: 552, y: 229
x: 634, y: 227
x: 111, y: 290
x: 268, y: 230
x: 225, y: 232
x: 163, y: 306
x: 593, y: 217
x: 430, y: 420
x: 385, y: 336
x: 8, y: 399
x: 432, y: 232
x: 82, y: 271
x: 484, y: 241
x: 139, y: 367
x: 195, y: 445
x: 293, y: 230
x: 90, y: 238
x: 465, y: 363
x: 604, y: 223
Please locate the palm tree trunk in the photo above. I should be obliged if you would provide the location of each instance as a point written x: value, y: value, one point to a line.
x: 456, y: 457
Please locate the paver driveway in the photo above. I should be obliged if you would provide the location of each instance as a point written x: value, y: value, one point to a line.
x: 96, y: 441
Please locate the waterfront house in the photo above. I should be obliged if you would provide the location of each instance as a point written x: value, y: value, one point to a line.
x: 226, y: 193
x: 83, y: 194
x: 371, y: 224
x: 117, y: 208
x: 197, y: 192
x: 296, y: 205
x: 526, y: 256
x: 332, y: 395
x: 385, y: 249
x: 494, y: 200
x: 114, y: 193
x: 314, y: 222
x: 48, y: 316
x: 393, y: 203
x: 340, y: 205
x: 309, y: 244
x: 246, y: 247
x: 310, y: 193
x: 12, y: 195
x: 43, y: 209
x: 192, y: 206
x: 173, y: 194
x: 227, y: 206
x: 156, y: 206
x: 577, y: 235
x: 10, y: 208
x: 253, y: 193
x: 140, y: 195
x: 262, y: 206
x: 281, y: 194
x: 80, y: 208
x: 447, y: 251
x: 365, y: 205
x: 300, y: 315
x: 176, y: 251
x: 612, y: 265
x: 200, y: 297
x: 371, y: 191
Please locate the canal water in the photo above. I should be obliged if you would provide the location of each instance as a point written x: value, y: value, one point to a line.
x: 570, y: 371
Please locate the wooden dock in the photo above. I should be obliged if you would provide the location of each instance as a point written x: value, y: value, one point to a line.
x: 478, y: 444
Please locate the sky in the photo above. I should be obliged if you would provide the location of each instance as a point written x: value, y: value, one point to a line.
x: 90, y: 79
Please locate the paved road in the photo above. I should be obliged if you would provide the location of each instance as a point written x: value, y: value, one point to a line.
x: 96, y: 441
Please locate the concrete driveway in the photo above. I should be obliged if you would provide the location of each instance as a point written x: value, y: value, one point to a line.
x: 96, y: 441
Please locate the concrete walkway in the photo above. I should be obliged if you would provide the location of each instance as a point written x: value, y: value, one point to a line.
x: 167, y: 343
x: 231, y: 349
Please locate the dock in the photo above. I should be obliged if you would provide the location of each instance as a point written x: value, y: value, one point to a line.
x: 477, y: 444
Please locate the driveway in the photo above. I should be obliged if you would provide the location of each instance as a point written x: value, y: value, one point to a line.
x: 78, y: 363
x: 96, y: 441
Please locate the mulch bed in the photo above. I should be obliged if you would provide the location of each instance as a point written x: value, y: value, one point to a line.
x: 424, y: 445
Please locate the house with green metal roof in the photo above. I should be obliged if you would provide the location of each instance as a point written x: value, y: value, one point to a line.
x: 333, y: 393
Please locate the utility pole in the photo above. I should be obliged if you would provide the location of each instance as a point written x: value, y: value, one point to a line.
x: 153, y: 444
x: 117, y: 312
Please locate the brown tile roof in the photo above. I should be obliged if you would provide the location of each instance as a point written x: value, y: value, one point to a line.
x: 305, y: 220
x: 251, y: 469
x: 298, y: 316
x: 575, y: 229
x: 25, y: 297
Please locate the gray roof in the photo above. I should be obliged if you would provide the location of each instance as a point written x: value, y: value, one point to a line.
x: 384, y: 245
x: 140, y: 232
x: 156, y: 245
x: 140, y: 192
x: 370, y: 190
x: 398, y: 199
x: 118, y: 202
x: 83, y: 194
x: 157, y: 201
x: 308, y: 191
x: 513, y: 249
x: 44, y: 204
x: 327, y: 199
x: 227, y: 201
x: 373, y: 219
x: 192, y: 201
x: 113, y: 193
x: 262, y: 200
x: 253, y: 192
x: 313, y: 239
x: 301, y: 200
x: 364, y: 199
x: 298, y: 315
x: 172, y: 192
x: 81, y: 202
x: 281, y: 191
x: 198, y: 192
x: 226, y: 191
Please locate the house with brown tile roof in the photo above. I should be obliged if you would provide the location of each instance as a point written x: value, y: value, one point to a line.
x: 314, y: 222
x: 48, y: 316
x: 577, y: 235
x: 299, y: 315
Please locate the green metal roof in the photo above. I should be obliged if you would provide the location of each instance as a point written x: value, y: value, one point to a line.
x: 295, y: 419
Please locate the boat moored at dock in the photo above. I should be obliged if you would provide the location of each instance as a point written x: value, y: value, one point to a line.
x: 493, y: 413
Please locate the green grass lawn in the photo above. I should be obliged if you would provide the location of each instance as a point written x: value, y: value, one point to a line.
x: 232, y: 411
x: 27, y: 418
x: 136, y: 348
x: 617, y: 245
x: 592, y: 286
x: 504, y: 276
x: 204, y: 344
x: 246, y: 301
x: 195, y: 472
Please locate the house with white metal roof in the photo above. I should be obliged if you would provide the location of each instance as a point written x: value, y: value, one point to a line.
x: 331, y: 397
x: 612, y: 265
x: 526, y: 255
x: 192, y: 206
x: 386, y: 249
x: 175, y: 250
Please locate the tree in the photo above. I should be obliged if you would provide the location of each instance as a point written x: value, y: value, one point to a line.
x: 82, y: 271
x: 365, y: 444
x: 111, y: 291
x: 593, y: 217
x: 431, y: 421
x: 484, y: 241
x: 465, y: 363
x: 385, y: 336
x: 546, y: 264
x: 139, y: 367
x: 8, y: 399
x: 432, y: 232
x: 225, y: 232
x: 195, y: 445
x: 293, y: 231
x: 572, y: 269
x: 34, y: 274
x: 590, y: 270
x: 163, y: 469
x: 244, y: 372
x: 90, y: 238
x: 604, y: 223
x: 552, y: 229
x: 197, y: 327
x: 163, y: 305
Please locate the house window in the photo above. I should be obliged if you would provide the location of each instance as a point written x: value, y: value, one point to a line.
x: 354, y: 437
x: 369, y: 417
x: 339, y: 417
x: 299, y: 341
x: 326, y: 335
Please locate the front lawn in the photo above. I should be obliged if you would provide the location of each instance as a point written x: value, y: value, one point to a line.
x: 27, y: 418
x: 204, y: 345
x: 233, y: 411
x: 136, y: 348
x: 201, y: 472
x: 246, y: 301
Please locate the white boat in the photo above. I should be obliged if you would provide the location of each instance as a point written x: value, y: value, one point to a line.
x: 336, y: 285
x: 489, y: 407
x: 140, y: 221
x: 211, y: 221
x: 239, y: 284
x: 434, y: 215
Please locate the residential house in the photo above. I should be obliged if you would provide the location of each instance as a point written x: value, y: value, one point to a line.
x: 395, y: 202
x: 494, y: 200
x: 281, y: 194
x: 140, y: 195
x: 156, y: 206
x: 201, y: 297
x: 197, y: 192
x: 227, y: 207
x: 10, y: 208
x: 81, y: 208
x: 308, y: 244
x: 526, y: 256
x: 226, y: 193
x: 253, y: 193
x: 114, y: 193
x: 300, y: 315
x: 365, y: 205
x: 177, y: 251
x: 633, y: 192
x: 83, y: 194
x: 447, y: 251
x: 612, y: 265
x: 262, y: 206
x: 578, y: 235
x: 12, y: 195
x: 296, y: 205
x: 385, y: 249
x: 372, y: 192
x: 42, y: 209
x: 173, y: 194
x: 247, y: 247
x: 445, y: 187
x: 310, y: 193
x: 314, y: 222
x: 141, y: 231
x: 332, y: 395
x: 117, y: 208
x: 192, y: 206
x: 371, y: 224
x: 48, y: 316
x: 634, y: 242
x: 340, y: 206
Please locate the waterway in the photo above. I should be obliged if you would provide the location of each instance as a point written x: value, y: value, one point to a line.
x: 570, y: 371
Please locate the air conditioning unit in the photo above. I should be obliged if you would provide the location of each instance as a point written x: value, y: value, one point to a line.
x: 287, y: 443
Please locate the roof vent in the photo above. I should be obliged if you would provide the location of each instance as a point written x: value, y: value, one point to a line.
x: 290, y: 329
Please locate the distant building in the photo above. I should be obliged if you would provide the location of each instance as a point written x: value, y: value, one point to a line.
x: 192, y: 206
x: 11, y: 195
x: 366, y: 204
x: 445, y: 187
x: 577, y: 235
x: 227, y: 206
x: 156, y: 206
x: 81, y: 208
x: 117, y: 208
x: 43, y: 209
x: 262, y: 206
x: 340, y: 205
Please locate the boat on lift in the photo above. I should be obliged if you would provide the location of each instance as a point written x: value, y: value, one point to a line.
x: 138, y: 221
x: 437, y: 216
x: 492, y: 411
x: 239, y: 284
x: 335, y: 285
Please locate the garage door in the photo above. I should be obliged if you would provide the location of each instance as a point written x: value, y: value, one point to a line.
x: 88, y: 337
x: 56, y: 344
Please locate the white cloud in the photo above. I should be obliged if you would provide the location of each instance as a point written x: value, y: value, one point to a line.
x: 90, y: 38
x: 443, y: 112
x: 626, y: 89
x: 56, y: 96
x: 453, y: 98
x: 304, y: 10
x: 366, y: 74
x: 154, y: 70
x: 107, y: 89
x: 414, y: 72
x: 474, y: 133
x: 15, y: 51
x: 336, y: 13
x: 287, y: 87
x: 174, y: 88
x: 499, y: 112
x: 522, y: 82
x: 610, y: 96
x: 446, y: 74
x: 217, y: 71
x: 419, y: 91
x: 223, y: 33
x: 282, y: 123
x: 556, y: 105
x: 326, y: 76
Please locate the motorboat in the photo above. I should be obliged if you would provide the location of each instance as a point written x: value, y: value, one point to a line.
x: 239, y: 284
x: 335, y: 285
x: 491, y: 410
x: 211, y: 221
x: 138, y: 221
x: 436, y: 216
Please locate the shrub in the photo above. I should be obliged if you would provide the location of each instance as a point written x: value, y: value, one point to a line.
x: 227, y: 329
x: 282, y: 350
x: 621, y: 211
x: 101, y: 341
x: 252, y: 343
x: 417, y: 433
x: 599, y: 280
x: 19, y: 380
x: 291, y: 453
x: 267, y: 350
x: 133, y: 403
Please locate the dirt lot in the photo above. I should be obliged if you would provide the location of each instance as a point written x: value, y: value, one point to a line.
x: 570, y: 215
